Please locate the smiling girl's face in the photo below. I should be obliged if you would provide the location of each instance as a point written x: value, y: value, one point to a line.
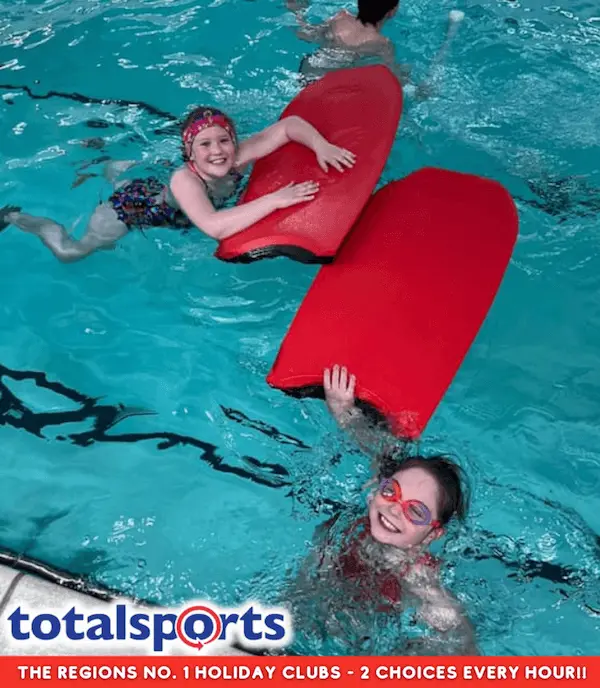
x: 213, y: 152
x: 388, y: 520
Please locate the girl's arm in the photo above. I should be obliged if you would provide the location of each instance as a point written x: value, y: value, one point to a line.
x: 293, y: 129
x: 442, y: 612
x: 311, y: 33
x: 339, y: 388
x: 191, y: 196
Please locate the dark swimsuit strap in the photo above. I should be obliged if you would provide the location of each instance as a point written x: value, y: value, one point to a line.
x: 235, y: 174
x: 192, y: 168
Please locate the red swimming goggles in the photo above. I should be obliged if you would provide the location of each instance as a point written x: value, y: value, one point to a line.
x: 414, y: 510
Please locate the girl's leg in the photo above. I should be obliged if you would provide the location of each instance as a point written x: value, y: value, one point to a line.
x: 104, y: 229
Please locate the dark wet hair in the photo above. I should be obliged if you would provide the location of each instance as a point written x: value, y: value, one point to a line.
x: 373, y: 11
x: 451, y: 480
x: 198, y: 113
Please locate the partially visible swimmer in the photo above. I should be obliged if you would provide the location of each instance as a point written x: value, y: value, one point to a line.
x: 214, y: 163
x: 346, y: 39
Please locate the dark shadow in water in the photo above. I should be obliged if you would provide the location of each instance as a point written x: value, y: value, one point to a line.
x: 170, y: 128
x: 563, y: 197
x: 15, y: 413
x: 264, y: 428
x: 79, y: 98
x: 575, y: 520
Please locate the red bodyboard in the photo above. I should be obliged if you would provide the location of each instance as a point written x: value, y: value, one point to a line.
x: 406, y: 295
x: 358, y: 109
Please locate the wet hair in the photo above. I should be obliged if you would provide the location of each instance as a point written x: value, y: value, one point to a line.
x: 453, y: 489
x: 373, y: 11
x: 198, y: 113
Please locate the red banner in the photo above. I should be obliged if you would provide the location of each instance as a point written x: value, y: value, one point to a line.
x: 291, y: 672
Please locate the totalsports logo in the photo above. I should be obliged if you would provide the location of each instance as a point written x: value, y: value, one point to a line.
x: 193, y: 627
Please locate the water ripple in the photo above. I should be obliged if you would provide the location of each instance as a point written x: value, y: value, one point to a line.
x: 160, y: 324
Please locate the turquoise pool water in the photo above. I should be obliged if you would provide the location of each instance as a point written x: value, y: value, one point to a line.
x: 141, y: 445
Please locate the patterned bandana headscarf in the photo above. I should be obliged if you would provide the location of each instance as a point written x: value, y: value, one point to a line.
x: 209, y: 118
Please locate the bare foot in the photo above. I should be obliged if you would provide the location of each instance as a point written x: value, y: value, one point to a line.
x: 5, y: 215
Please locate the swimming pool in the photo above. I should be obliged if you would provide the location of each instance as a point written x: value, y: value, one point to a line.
x: 141, y: 445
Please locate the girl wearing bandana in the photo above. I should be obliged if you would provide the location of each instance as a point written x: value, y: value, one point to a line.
x: 214, y: 162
